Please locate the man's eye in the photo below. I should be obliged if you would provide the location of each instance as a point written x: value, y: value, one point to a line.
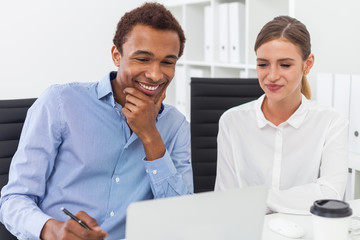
x: 142, y: 59
x: 168, y: 62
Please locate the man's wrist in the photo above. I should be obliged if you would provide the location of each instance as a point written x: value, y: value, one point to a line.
x: 47, y: 231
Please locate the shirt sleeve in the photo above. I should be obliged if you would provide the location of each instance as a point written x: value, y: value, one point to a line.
x: 332, y: 175
x: 171, y: 175
x: 226, y: 176
x: 30, y: 168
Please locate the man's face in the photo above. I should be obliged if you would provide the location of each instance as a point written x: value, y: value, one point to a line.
x: 148, y: 61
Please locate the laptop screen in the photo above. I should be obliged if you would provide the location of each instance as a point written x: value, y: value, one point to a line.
x: 234, y: 214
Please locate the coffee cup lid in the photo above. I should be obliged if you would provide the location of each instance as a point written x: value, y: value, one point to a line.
x: 331, y: 208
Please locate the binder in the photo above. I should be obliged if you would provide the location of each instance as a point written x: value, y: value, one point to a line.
x: 180, y: 87
x: 223, y: 10
x: 237, y: 32
x: 196, y: 72
x: 342, y: 93
x: 208, y: 34
x: 354, y: 121
x: 324, y: 88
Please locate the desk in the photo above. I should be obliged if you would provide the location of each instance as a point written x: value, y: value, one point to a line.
x: 302, y: 220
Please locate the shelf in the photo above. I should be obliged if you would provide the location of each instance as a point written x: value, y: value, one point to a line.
x: 196, y: 63
x: 205, y: 23
x: 177, y: 3
x: 196, y: 16
x: 216, y: 64
x: 231, y: 65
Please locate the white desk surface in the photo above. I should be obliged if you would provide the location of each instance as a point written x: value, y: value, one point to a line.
x: 304, y: 221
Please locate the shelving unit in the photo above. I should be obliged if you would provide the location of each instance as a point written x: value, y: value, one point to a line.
x: 191, y: 15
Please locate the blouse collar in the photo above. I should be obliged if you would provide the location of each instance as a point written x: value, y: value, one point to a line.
x: 295, y: 120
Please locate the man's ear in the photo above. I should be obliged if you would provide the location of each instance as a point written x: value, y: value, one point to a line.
x: 115, y: 56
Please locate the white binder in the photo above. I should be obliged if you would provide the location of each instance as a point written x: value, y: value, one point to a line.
x: 196, y: 72
x: 223, y: 13
x: 208, y: 34
x: 354, y: 124
x: 342, y: 93
x: 324, y: 88
x: 180, y: 86
x: 237, y: 32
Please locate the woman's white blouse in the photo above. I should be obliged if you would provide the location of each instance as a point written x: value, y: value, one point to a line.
x: 301, y: 160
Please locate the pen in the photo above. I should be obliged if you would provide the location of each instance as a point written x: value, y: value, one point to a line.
x: 74, y: 218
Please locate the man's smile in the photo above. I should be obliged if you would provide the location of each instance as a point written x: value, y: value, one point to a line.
x: 149, y: 87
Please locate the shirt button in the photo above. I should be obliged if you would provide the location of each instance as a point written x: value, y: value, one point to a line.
x: 112, y: 214
x: 117, y: 179
x: 126, y: 146
x: 147, y: 171
x: 154, y: 172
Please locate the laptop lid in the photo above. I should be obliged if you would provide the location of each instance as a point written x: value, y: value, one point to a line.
x: 234, y: 214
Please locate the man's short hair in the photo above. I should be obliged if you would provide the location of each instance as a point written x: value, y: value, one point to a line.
x: 154, y: 15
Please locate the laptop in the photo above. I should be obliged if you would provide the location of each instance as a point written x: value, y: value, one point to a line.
x: 233, y: 214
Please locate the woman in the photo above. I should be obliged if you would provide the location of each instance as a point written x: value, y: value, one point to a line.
x: 293, y: 145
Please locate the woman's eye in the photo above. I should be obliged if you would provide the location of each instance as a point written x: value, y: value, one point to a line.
x: 285, y: 65
x: 262, y: 64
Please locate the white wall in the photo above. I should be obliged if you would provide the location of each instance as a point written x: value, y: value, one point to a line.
x: 55, y: 41
x: 334, y: 26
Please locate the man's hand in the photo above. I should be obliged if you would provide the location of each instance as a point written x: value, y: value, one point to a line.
x: 141, y: 111
x: 54, y: 229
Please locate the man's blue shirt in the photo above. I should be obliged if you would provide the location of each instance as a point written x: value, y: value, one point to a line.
x: 76, y: 151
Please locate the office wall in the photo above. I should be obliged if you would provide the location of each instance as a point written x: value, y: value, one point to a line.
x: 334, y: 27
x: 55, y: 41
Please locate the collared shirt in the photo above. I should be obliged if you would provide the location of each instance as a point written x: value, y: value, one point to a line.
x: 76, y: 151
x: 300, y: 160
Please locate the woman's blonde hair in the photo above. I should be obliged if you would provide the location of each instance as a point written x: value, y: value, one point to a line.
x: 295, y: 32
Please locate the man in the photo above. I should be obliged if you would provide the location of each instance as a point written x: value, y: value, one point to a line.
x: 94, y: 148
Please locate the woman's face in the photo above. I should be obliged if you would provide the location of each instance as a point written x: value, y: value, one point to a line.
x: 280, y: 69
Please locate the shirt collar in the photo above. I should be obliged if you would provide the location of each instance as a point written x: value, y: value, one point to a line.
x: 295, y: 120
x: 104, y: 88
x: 299, y: 115
x: 261, y: 120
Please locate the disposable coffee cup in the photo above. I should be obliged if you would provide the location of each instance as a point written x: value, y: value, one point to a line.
x: 330, y: 219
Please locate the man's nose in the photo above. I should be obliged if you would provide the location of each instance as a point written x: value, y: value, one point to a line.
x: 154, y: 72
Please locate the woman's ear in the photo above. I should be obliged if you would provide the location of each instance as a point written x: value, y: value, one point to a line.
x: 115, y: 56
x: 309, y: 63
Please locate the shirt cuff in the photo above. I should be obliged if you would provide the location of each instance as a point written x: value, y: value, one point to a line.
x: 37, y: 223
x: 160, y: 168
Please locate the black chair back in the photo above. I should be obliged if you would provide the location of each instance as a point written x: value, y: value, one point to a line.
x: 210, y: 98
x: 12, y: 116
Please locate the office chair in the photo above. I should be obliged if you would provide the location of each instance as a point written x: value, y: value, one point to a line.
x: 210, y: 98
x: 12, y: 116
